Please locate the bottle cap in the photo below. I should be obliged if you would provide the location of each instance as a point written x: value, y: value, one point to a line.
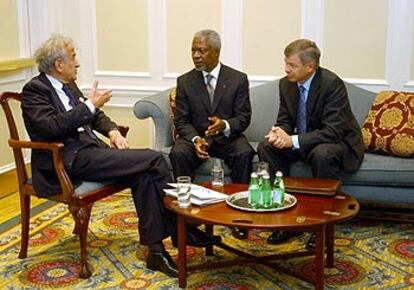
x: 253, y: 175
x: 266, y: 176
x: 279, y: 173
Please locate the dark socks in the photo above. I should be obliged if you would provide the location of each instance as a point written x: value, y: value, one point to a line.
x: 157, y: 247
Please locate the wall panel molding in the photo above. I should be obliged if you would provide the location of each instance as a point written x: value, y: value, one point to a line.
x: 232, y: 32
x: 117, y: 74
x: 312, y: 20
x: 157, y: 78
x: 398, y: 43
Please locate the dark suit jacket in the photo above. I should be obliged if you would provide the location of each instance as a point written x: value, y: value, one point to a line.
x: 47, y: 120
x: 231, y: 103
x: 329, y: 116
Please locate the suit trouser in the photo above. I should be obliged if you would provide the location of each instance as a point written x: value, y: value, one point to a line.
x: 147, y: 173
x: 236, y: 153
x: 325, y: 159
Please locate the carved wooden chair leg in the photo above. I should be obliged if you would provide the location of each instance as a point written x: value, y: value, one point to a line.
x: 76, y: 220
x: 82, y: 216
x: 25, y: 223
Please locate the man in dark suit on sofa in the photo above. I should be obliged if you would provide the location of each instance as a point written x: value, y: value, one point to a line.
x: 315, y: 122
x: 55, y: 110
x: 212, y: 111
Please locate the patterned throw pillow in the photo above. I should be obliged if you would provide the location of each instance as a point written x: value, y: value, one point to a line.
x: 171, y: 101
x: 389, y: 125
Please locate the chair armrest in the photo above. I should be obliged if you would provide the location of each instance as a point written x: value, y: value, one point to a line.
x: 57, y: 152
x: 157, y: 108
x: 123, y: 130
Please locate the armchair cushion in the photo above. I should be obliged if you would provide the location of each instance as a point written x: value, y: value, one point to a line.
x: 85, y: 187
x: 389, y: 126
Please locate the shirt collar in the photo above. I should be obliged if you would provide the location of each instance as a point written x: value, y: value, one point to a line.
x: 55, y: 83
x: 215, y: 72
x: 308, y: 82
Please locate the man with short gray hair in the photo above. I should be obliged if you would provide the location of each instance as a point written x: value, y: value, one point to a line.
x: 315, y: 122
x: 212, y: 111
x: 55, y: 110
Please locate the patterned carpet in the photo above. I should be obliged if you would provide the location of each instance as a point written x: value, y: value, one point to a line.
x: 369, y: 254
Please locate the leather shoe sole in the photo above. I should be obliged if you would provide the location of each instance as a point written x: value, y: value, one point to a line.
x: 239, y: 233
x: 278, y: 237
x: 162, y: 262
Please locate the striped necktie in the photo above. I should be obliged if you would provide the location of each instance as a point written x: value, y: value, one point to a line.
x: 301, y: 118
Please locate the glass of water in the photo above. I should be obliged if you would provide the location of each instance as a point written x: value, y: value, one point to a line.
x: 183, y: 191
x: 217, y: 171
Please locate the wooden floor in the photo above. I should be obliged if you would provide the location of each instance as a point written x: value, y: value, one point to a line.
x: 10, y: 206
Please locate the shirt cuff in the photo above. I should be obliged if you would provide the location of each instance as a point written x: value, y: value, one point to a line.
x: 90, y: 106
x: 194, y: 139
x: 227, y: 130
x: 295, y: 141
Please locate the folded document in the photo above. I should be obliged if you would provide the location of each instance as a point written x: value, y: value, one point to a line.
x: 199, y: 195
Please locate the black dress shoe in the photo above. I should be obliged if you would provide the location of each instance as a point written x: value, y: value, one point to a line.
x: 311, y: 243
x: 197, y: 238
x: 239, y: 233
x: 278, y: 237
x: 162, y: 262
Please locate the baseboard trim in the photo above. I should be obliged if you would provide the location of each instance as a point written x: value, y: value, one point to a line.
x: 8, y: 180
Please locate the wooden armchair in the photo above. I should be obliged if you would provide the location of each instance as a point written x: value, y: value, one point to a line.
x: 79, y: 199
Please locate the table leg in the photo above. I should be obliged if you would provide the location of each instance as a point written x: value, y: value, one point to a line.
x: 209, y: 231
x: 319, y: 257
x: 330, y: 229
x: 182, y: 252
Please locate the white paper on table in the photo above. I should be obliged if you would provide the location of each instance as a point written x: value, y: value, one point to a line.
x: 199, y: 194
x: 202, y: 192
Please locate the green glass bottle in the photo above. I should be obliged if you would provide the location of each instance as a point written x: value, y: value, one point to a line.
x: 278, y: 190
x: 266, y: 192
x: 254, y: 191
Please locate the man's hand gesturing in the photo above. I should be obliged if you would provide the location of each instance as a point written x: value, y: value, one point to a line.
x: 97, y: 98
x: 216, y: 127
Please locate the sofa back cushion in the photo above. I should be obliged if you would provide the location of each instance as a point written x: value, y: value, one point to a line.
x: 360, y: 101
x: 264, y: 99
x: 389, y: 125
x: 265, y: 106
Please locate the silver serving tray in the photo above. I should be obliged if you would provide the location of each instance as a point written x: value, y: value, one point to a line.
x: 239, y: 200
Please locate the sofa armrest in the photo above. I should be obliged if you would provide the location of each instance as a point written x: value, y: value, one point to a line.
x: 157, y: 108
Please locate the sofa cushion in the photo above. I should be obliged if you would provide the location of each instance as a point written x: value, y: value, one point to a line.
x: 171, y: 102
x: 389, y: 125
x: 376, y: 170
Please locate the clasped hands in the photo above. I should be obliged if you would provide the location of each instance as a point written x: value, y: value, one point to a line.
x: 201, y: 144
x: 278, y: 138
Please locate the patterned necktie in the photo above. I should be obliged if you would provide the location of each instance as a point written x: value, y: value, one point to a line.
x: 301, y: 118
x: 73, y: 101
x: 210, y: 88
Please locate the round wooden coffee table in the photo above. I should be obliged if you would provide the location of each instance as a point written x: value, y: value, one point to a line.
x: 317, y: 214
